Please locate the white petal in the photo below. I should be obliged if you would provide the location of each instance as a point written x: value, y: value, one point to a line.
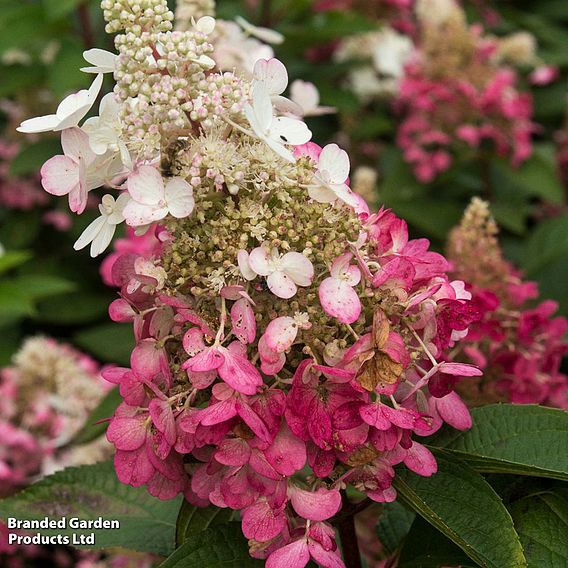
x: 146, y: 185
x: 264, y: 34
x: 286, y: 106
x: 262, y: 106
x: 103, y: 239
x: 109, y: 109
x: 102, y: 60
x: 272, y: 74
x: 298, y: 268
x: 137, y: 214
x: 90, y: 233
x: 259, y: 261
x: 75, y: 144
x: 290, y: 131
x: 205, y: 25
x: 39, y: 124
x: 244, y: 266
x: 179, y: 198
x: 305, y: 94
x: 335, y: 162
x: 282, y: 151
x: 322, y: 194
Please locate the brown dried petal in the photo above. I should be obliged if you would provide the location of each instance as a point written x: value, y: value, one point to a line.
x: 381, y: 369
x: 381, y: 328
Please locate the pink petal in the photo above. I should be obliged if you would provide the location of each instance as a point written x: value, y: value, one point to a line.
x: 339, y: 300
x: 454, y: 411
x: 206, y: 360
x: 298, y: 268
x: 281, y: 285
x: 234, y: 452
x: 287, y: 454
x: 420, y: 460
x: 145, y: 359
x: 280, y: 334
x: 325, y: 558
x: 460, y: 369
x: 261, y: 523
x: 373, y: 415
x: 163, y: 419
x: 60, y: 175
x: 193, y: 342
x: 293, y: 555
x: 121, y: 311
x: 400, y: 417
x: 239, y: 373
x: 127, y: 433
x: 259, y: 261
x: 133, y: 468
x: 243, y: 321
x: 315, y: 505
x: 219, y: 412
x: 253, y: 421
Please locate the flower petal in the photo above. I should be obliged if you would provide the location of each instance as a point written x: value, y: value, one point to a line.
x: 339, y: 300
x: 298, y: 268
x: 179, y: 198
x: 281, y: 285
x: 146, y: 186
x: 335, y: 162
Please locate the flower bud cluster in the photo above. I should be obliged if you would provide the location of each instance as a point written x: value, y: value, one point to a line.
x: 137, y: 16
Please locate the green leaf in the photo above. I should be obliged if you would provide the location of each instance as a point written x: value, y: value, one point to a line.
x: 12, y: 259
x: 426, y: 547
x: 512, y: 438
x: 105, y: 409
x: 32, y: 157
x: 77, y: 307
x: 463, y: 506
x: 58, y: 8
x: 110, y: 342
x: 147, y: 524
x: 537, y: 176
x: 39, y: 286
x: 192, y: 520
x: 542, y: 524
x: 548, y: 243
x: 222, y: 545
x: 14, y: 302
x: 393, y: 526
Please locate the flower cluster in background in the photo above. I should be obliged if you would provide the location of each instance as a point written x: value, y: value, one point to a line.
x: 289, y: 343
x: 457, y: 89
x: 37, y: 420
x: 518, y: 343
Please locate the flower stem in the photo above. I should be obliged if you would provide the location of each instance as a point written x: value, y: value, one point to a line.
x: 86, y: 26
x: 349, y: 543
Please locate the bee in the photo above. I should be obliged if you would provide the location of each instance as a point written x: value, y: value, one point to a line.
x: 170, y: 164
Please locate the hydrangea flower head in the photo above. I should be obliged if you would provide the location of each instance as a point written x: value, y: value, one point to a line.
x: 289, y: 343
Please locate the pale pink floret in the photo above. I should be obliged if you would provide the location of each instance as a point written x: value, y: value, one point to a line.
x: 152, y: 199
x: 243, y: 321
x: 284, y: 273
x: 67, y: 175
x: 281, y: 333
x: 336, y: 293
